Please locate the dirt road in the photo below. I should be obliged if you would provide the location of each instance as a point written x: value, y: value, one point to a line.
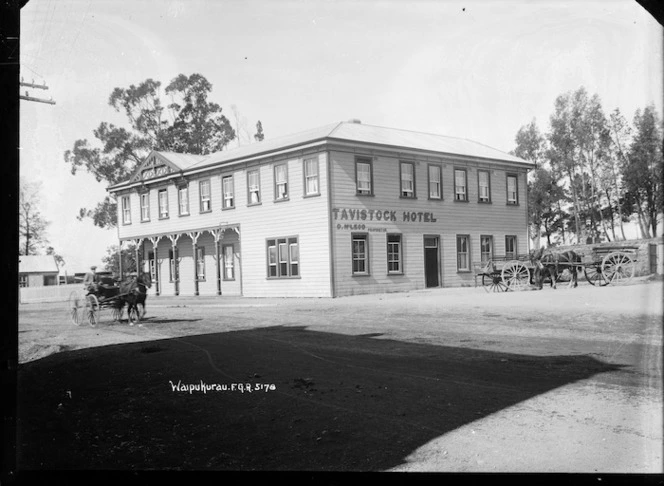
x: 537, y: 381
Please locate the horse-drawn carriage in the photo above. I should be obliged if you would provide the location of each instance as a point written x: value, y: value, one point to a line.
x: 605, y: 265
x: 104, y: 292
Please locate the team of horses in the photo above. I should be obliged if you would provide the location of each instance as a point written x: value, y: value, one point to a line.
x: 548, y: 263
x: 130, y: 293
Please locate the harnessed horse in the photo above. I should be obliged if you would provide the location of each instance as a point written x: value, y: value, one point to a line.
x: 134, y: 293
x: 552, y: 264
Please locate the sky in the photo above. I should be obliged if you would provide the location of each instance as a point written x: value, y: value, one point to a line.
x: 472, y: 69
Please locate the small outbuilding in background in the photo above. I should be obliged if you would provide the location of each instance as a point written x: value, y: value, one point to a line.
x: 37, y: 270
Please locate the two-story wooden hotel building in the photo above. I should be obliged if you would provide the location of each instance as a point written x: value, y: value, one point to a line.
x: 339, y: 210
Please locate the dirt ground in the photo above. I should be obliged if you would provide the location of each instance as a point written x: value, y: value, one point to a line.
x: 452, y: 380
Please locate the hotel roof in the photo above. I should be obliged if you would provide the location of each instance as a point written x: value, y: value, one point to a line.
x: 351, y: 131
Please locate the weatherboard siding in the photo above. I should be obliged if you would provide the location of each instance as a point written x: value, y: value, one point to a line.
x: 451, y: 218
x: 324, y: 224
x: 304, y: 217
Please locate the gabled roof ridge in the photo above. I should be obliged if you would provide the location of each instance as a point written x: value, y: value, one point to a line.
x: 417, y: 132
x: 188, y: 154
x: 333, y: 126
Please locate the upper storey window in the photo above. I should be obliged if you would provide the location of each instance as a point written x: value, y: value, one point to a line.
x: 460, y: 185
x: 407, y: 179
x: 435, y: 182
x: 280, y: 182
x: 163, y: 204
x: 311, y: 177
x: 126, y: 210
x: 254, y: 186
x: 205, y: 195
x: 183, y: 200
x: 483, y: 186
x: 145, y: 206
x: 364, y: 177
x: 228, y: 192
x: 512, y: 190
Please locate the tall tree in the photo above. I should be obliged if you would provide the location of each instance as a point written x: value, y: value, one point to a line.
x: 31, y: 224
x: 644, y: 169
x: 241, y: 130
x: 545, y: 201
x: 579, y: 141
x: 563, y: 149
x: 259, y: 135
x: 593, y: 140
x: 619, y: 132
x: 530, y: 145
x: 189, y: 123
x: 199, y: 127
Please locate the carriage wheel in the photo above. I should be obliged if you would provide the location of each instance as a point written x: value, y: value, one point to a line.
x: 75, y: 308
x: 493, y: 283
x: 515, y: 275
x: 92, y: 309
x: 618, y: 268
x: 595, y: 276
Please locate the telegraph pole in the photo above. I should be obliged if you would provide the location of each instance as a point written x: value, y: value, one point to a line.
x: 32, y: 98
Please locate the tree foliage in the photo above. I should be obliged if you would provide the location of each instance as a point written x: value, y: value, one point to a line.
x: 190, y: 123
x: 59, y: 261
x: 111, y: 260
x: 546, y: 215
x: 603, y: 169
x: 259, y: 135
x: 643, y: 170
x: 31, y: 224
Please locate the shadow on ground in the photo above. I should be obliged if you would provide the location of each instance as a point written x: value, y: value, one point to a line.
x: 339, y: 403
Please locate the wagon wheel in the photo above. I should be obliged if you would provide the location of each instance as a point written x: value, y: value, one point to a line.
x: 92, y: 309
x: 618, y: 268
x: 594, y: 275
x: 75, y: 308
x: 515, y: 275
x: 493, y: 282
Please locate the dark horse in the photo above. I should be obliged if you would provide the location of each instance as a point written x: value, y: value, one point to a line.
x: 134, y: 293
x: 549, y: 263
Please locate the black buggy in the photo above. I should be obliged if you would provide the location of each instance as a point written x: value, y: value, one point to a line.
x: 105, y: 292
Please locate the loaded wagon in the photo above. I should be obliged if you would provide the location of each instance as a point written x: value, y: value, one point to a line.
x: 606, y: 265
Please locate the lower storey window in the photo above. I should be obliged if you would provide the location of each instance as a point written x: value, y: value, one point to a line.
x: 283, y: 257
x: 510, y: 247
x: 152, y: 266
x: 172, y: 268
x: 486, y: 248
x: 463, y: 253
x: 229, y: 268
x: 394, y: 254
x: 200, y: 263
x: 360, y: 252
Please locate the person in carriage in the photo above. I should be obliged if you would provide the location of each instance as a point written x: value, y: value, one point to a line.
x: 99, y: 285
